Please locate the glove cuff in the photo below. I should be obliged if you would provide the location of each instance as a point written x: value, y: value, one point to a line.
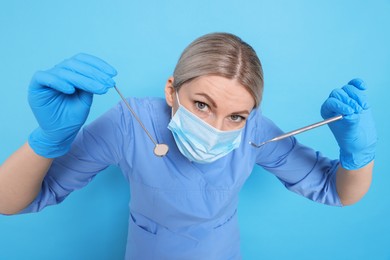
x: 356, y: 161
x: 40, y: 142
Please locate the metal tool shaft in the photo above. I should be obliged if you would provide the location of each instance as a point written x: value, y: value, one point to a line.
x: 300, y: 130
x: 135, y: 115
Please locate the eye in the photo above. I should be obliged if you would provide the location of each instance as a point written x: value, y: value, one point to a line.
x: 237, y: 118
x: 203, y: 107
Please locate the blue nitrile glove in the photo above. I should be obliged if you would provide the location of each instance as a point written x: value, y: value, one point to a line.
x: 60, y: 99
x: 355, y: 133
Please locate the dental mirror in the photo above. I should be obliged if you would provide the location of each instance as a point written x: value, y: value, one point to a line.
x: 159, y: 150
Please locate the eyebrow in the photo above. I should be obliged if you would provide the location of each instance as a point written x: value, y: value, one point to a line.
x: 215, y: 105
x: 208, y: 98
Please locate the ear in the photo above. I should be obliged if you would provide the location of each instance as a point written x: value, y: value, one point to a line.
x: 169, y: 92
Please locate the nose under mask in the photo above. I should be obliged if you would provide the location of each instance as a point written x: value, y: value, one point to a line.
x: 199, y: 141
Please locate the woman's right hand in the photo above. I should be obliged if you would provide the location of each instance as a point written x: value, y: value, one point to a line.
x: 60, y: 99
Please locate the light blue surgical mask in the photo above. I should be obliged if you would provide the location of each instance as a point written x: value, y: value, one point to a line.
x: 199, y: 141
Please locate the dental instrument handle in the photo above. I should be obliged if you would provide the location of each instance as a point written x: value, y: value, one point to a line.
x: 300, y: 130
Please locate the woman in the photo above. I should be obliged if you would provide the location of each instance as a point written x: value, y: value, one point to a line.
x: 183, y: 205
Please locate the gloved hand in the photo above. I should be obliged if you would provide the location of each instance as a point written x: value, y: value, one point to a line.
x: 60, y: 99
x: 355, y: 133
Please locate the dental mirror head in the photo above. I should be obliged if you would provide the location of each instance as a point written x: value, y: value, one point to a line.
x: 161, y: 150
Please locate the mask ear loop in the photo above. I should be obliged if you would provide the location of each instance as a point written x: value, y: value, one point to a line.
x: 177, y: 98
x: 178, y: 102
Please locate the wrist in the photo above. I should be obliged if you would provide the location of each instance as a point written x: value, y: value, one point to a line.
x: 354, y: 161
x: 47, y: 145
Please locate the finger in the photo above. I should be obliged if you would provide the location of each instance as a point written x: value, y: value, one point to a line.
x: 97, y: 63
x: 358, y: 83
x: 86, y: 97
x: 87, y: 70
x: 81, y: 82
x: 341, y: 95
x: 357, y: 95
x: 43, y: 78
x: 333, y: 106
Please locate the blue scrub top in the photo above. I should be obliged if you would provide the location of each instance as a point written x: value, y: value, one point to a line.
x: 180, y: 209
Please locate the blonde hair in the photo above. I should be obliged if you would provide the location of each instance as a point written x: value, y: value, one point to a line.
x: 224, y: 55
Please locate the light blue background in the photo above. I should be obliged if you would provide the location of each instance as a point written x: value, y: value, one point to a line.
x: 307, y: 48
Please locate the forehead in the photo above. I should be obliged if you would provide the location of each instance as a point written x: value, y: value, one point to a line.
x: 222, y: 90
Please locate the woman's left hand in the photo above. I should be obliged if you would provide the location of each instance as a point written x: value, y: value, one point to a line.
x: 355, y: 132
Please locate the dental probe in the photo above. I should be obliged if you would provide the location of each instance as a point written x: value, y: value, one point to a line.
x: 298, y: 131
x: 159, y: 149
